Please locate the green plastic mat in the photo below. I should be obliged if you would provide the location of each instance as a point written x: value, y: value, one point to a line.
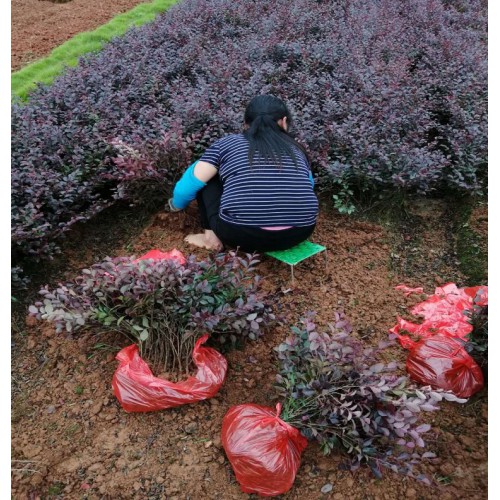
x: 300, y: 252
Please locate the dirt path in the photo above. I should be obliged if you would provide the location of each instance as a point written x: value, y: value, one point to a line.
x: 68, y: 427
x: 38, y: 26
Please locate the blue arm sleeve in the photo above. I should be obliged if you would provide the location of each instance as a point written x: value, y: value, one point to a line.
x: 186, y: 188
x: 311, y: 178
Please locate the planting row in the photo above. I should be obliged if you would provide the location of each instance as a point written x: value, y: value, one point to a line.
x: 334, y: 389
x: 384, y: 93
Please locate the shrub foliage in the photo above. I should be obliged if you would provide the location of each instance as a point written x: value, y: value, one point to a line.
x: 162, y: 305
x: 477, y: 340
x: 385, y: 92
x: 339, y: 393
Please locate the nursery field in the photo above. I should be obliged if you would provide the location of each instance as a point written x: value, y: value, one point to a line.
x: 73, y: 440
x: 38, y: 26
x: 389, y: 98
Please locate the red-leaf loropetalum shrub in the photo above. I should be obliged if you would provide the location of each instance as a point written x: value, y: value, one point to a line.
x: 163, y: 305
x: 338, y: 392
x: 384, y: 92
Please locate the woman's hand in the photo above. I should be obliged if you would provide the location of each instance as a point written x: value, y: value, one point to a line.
x: 169, y: 207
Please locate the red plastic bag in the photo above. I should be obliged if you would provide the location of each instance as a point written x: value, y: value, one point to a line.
x: 443, y: 312
x: 264, y: 451
x: 442, y: 362
x: 408, y: 290
x: 138, y: 389
x: 479, y: 294
x: 159, y: 255
x: 453, y: 324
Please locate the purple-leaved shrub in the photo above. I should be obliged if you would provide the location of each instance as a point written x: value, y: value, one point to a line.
x: 384, y: 92
x: 339, y: 393
x: 163, y: 305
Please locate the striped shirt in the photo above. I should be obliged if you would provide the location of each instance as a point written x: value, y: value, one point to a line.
x: 264, y: 194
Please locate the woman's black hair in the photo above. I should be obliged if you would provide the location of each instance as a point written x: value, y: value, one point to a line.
x: 265, y: 135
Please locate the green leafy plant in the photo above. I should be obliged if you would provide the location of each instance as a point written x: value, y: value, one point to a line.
x: 163, y: 305
x: 342, y: 201
x: 477, y: 340
x: 338, y: 393
x: 55, y: 489
x: 340, y: 183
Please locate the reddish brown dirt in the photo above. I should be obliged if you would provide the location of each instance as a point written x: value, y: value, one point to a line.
x: 73, y: 440
x: 38, y: 26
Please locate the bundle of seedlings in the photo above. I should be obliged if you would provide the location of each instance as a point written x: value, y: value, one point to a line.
x: 168, y: 346
x: 338, y: 393
x: 163, y: 305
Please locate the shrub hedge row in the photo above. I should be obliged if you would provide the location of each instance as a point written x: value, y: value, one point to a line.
x: 384, y: 92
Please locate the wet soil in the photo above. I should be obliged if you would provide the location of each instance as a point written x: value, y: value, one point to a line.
x: 71, y: 439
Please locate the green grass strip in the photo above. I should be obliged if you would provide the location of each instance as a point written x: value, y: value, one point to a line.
x: 471, y: 246
x: 47, y: 69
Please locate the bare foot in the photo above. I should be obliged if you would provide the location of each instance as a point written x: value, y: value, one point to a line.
x: 197, y: 240
x: 212, y: 241
x: 207, y: 240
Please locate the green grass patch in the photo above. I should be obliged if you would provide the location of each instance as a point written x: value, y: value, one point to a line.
x: 67, y: 55
x: 470, y: 247
x: 55, y: 489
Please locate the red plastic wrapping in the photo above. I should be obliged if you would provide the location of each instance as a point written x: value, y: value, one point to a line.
x: 454, y: 325
x: 138, y: 389
x: 442, y: 362
x: 159, y: 255
x: 438, y: 358
x: 408, y: 290
x: 443, y: 312
x: 264, y: 451
x: 479, y: 294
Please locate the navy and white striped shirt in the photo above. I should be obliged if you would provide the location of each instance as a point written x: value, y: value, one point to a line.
x: 264, y: 194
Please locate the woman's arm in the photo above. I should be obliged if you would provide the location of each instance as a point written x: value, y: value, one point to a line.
x: 311, y: 178
x: 204, y: 171
x: 193, y: 179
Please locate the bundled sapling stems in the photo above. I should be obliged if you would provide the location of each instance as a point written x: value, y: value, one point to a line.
x: 338, y: 393
x: 163, y: 305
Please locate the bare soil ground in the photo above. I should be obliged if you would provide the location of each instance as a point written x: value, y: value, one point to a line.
x: 71, y: 439
x: 38, y: 26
